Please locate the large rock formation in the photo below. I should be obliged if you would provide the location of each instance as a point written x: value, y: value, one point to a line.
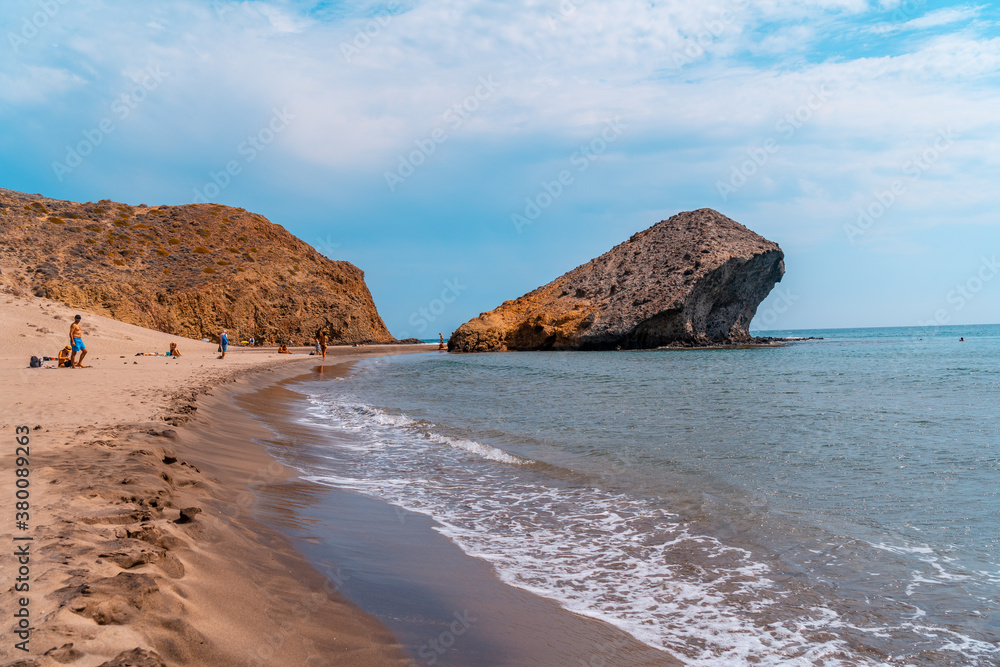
x: 695, y: 279
x: 186, y: 270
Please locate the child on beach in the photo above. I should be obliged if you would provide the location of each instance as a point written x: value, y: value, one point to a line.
x: 64, y: 355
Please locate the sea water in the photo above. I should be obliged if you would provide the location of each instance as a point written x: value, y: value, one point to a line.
x: 826, y: 502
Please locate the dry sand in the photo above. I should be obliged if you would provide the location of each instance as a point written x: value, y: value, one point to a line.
x: 117, y: 576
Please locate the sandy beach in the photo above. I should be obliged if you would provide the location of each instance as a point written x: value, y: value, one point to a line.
x: 138, y: 545
x: 560, y: 334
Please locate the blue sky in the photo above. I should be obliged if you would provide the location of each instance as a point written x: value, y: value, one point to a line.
x: 416, y: 139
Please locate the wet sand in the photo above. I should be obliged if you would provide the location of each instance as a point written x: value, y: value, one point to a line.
x: 445, y: 607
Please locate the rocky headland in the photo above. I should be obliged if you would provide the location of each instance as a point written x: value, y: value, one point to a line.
x: 186, y: 270
x: 693, y: 280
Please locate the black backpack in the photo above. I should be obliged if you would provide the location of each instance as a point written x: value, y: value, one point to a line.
x: 36, y: 362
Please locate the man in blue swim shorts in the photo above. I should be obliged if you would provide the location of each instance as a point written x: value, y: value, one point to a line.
x: 76, y: 344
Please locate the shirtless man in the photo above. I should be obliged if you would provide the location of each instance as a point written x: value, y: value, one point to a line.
x: 76, y: 342
x: 322, y: 344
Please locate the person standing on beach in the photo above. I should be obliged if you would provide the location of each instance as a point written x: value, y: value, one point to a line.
x: 322, y: 340
x: 76, y: 344
x: 223, y: 343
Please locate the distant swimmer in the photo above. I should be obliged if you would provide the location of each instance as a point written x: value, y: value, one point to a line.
x: 76, y: 343
x: 961, y: 340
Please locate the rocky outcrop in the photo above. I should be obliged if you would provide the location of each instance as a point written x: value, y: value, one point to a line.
x: 187, y: 270
x: 695, y: 279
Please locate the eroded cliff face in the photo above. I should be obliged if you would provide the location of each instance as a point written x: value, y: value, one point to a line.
x: 186, y: 270
x: 695, y: 279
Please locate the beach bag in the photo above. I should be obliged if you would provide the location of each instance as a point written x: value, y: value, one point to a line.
x: 35, y: 362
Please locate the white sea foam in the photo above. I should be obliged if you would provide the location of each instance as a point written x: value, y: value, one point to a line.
x: 478, y: 448
x: 608, y: 556
x: 903, y: 549
x: 356, y: 416
x: 614, y: 557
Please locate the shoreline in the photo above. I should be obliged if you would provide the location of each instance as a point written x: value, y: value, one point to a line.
x: 138, y: 551
x: 226, y: 441
x: 396, y: 565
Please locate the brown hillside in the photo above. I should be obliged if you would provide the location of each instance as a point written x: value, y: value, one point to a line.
x: 187, y: 270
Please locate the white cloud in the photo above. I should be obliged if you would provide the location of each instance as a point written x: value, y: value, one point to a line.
x: 35, y: 84
x: 933, y: 19
x: 561, y: 75
x: 282, y: 21
x: 941, y: 17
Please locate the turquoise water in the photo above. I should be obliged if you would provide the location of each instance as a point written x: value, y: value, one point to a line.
x: 825, y: 502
